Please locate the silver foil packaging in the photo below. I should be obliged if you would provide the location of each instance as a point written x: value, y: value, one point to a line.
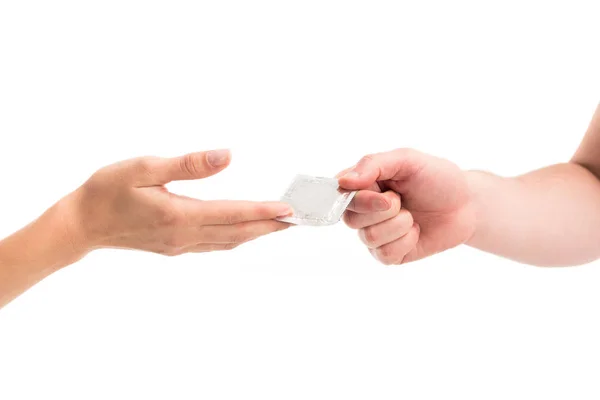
x: 316, y: 201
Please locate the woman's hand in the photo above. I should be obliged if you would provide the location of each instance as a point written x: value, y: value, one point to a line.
x: 126, y: 205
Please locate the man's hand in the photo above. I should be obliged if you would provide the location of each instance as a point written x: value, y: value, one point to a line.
x: 410, y: 205
x: 126, y: 205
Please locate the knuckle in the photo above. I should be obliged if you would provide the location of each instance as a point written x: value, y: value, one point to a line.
x: 140, y: 169
x: 255, y: 212
x: 367, y: 159
x: 386, y: 255
x: 396, y: 202
x: 189, y: 165
x: 145, y: 165
x: 405, y: 151
x: 407, y: 219
x: 369, y: 235
x: 350, y: 220
x: 262, y: 211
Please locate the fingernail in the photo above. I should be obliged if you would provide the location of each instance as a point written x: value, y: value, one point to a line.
x: 381, y: 205
x: 218, y: 158
x: 351, y: 175
x: 285, y: 211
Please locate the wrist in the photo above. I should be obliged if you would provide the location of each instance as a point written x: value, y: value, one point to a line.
x: 477, y: 182
x: 52, y: 241
x: 66, y: 216
x: 41, y: 248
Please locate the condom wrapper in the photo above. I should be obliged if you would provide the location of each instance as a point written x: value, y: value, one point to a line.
x: 316, y: 201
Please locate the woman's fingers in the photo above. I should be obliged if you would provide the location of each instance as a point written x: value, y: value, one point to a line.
x: 208, y: 247
x: 230, y: 212
x: 238, y: 233
x: 157, y: 171
x: 227, y: 237
x: 357, y: 220
x: 387, y: 231
x: 397, y: 251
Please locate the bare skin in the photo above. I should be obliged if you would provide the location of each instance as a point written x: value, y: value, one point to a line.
x: 126, y: 205
x: 412, y: 205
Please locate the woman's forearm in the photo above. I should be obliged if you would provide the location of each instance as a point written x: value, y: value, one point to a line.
x: 37, y: 250
x: 548, y: 217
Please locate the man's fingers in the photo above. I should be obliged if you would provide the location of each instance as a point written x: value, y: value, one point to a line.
x: 357, y: 220
x: 394, y: 165
x: 374, y: 187
x: 155, y: 171
x: 367, y: 201
x: 387, y: 231
x: 399, y: 251
x: 230, y: 212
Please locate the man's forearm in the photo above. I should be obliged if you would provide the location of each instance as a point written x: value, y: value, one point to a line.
x: 548, y: 217
x: 36, y: 251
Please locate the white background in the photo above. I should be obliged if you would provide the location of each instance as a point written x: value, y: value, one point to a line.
x: 293, y: 87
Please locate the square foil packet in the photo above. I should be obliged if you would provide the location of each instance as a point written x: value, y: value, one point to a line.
x: 316, y: 201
